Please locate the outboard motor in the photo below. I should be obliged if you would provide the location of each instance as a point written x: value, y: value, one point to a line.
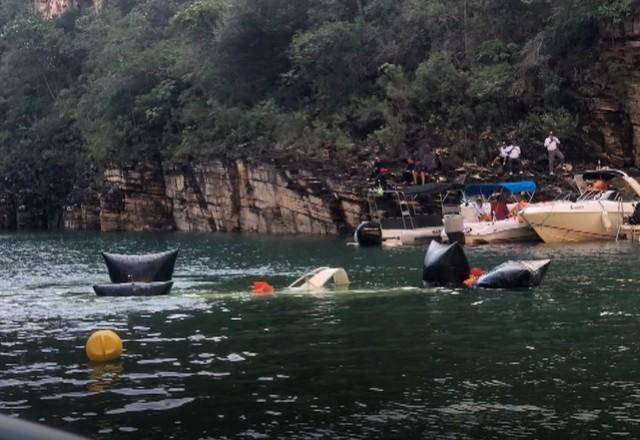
x: 445, y: 265
x: 368, y: 233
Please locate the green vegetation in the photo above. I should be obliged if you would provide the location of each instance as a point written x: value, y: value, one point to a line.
x: 283, y: 78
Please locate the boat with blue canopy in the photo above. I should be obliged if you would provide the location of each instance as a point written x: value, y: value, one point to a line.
x: 485, y: 190
x: 481, y: 226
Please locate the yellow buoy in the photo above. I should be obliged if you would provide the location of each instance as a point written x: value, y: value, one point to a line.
x: 104, y: 346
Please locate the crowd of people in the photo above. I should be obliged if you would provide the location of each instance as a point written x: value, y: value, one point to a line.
x: 416, y: 171
x: 420, y: 170
x: 497, y: 208
x: 509, y: 156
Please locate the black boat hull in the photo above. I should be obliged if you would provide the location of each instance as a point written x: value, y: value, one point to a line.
x: 140, y: 268
x: 515, y: 274
x: 445, y: 265
x: 134, y: 289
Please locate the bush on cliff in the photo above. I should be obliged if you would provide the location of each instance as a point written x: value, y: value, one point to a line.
x: 282, y: 78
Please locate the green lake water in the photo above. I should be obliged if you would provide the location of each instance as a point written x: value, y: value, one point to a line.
x: 385, y: 360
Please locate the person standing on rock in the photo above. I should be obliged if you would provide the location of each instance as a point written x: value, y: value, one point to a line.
x: 552, y: 144
x: 514, y: 152
x: 501, y: 158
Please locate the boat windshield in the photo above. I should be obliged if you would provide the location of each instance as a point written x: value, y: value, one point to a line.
x: 568, y: 196
x: 617, y: 189
x: 600, y: 196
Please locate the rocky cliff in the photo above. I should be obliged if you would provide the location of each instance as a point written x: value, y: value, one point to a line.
x: 213, y: 196
x: 610, y: 99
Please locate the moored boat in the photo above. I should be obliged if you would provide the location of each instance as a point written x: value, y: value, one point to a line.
x: 512, y: 229
x: 595, y: 215
x: 407, y: 216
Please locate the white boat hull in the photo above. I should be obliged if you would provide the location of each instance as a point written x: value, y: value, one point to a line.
x: 500, y: 231
x: 565, y: 222
x: 412, y: 236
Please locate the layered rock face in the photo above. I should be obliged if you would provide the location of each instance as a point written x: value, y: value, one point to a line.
x: 231, y: 196
x: 213, y: 196
x: 134, y: 198
x: 611, y: 101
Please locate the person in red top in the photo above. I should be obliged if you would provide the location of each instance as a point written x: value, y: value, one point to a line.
x: 499, y: 209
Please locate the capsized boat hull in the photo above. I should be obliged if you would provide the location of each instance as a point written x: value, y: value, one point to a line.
x: 566, y: 222
x: 142, y: 268
x: 500, y: 231
x: 445, y: 265
x: 320, y: 279
x: 134, y: 289
x: 515, y: 274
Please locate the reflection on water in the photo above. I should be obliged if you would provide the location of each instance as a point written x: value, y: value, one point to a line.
x: 387, y: 359
x: 104, y: 376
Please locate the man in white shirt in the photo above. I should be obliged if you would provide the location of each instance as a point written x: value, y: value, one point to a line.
x: 514, y: 157
x: 502, y: 157
x: 552, y: 144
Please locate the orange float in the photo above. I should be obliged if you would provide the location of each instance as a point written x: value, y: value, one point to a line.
x: 262, y: 288
x: 474, y: 274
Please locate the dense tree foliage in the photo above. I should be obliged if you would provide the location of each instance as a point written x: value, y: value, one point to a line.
x: 283, y: 78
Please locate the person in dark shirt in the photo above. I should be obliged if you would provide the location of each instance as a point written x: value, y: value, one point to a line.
x: 422, y: 169
x: 407, y: 174
x: 499, y: 209
x: 420, y: 172
x: 379, y: 174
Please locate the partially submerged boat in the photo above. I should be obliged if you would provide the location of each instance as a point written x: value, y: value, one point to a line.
x: 515, y: 274
x: 512, y: 229
x: 595, y: 215
x: 134, y: 289
x: 407, y: 216
x: 140, y: 268
x: 321, y: 278
x: 447, y: 265
x: 138, y: 275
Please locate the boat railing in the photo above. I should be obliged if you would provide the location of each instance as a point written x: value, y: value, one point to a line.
x: 405, y: 210
x: 621, y: 219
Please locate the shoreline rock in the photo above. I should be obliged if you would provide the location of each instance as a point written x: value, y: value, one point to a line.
x: 219, y: 196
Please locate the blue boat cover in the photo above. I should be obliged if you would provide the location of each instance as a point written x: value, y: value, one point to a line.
x: 486, y: 189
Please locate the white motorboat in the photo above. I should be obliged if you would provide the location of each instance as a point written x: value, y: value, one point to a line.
x: 512, y: 229
x: 406, y: 216
x: 595, y: 215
